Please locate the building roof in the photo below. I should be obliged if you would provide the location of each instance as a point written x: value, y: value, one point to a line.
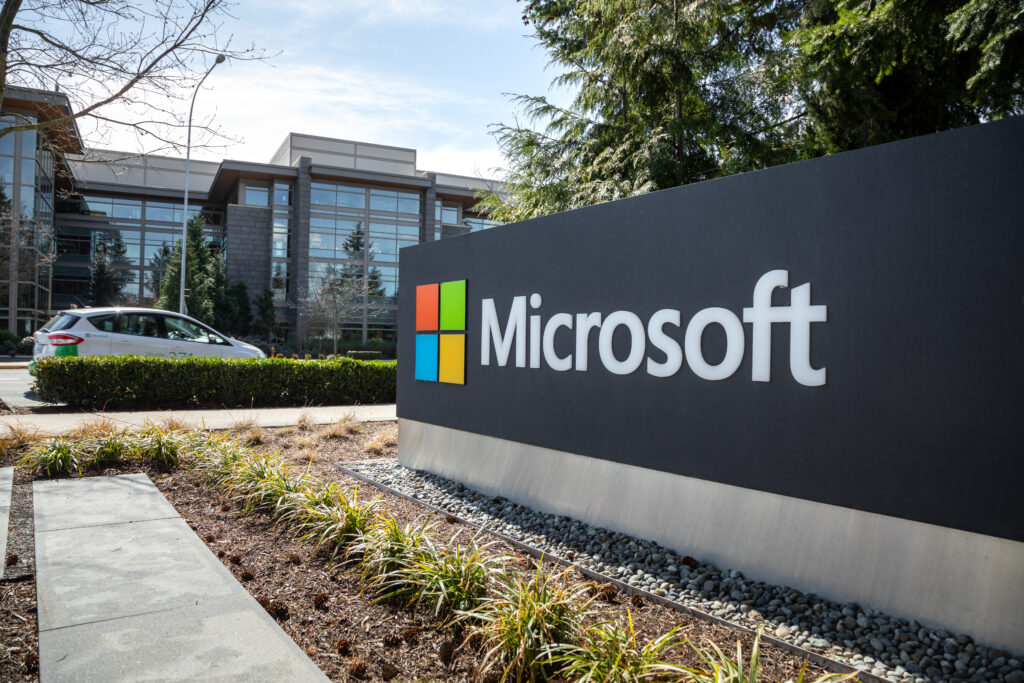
x: 48, y: 106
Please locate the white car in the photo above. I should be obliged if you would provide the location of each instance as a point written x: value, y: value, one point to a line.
x: 138, y: 331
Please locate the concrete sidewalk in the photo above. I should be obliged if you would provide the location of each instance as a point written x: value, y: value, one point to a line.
x: 60, y: 423
x: 127, y: 592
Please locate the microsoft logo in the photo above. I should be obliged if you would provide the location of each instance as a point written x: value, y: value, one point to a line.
x: 441, y: 332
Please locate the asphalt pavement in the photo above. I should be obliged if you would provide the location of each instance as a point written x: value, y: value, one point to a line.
x: 16, y: 386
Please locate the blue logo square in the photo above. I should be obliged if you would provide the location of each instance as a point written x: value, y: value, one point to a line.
x: 426, y: 357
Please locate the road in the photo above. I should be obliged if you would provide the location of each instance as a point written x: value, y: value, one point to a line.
x: 15, y: 388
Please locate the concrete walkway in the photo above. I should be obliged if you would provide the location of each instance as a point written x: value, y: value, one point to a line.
x: 127, y: 592
x: 50, y: 424
x: 6, y: 488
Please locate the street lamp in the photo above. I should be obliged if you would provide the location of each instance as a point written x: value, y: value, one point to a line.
x: 188, y: 160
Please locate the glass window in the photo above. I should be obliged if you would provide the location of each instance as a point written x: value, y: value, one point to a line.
x: 279, y: 281
x: 282, y: 194
x: 28, y: 143
x: 103, y: 322
x: 256, y: 196
x: 449, y: 215
x: 322, y: 195
x: 409, y: 231
x: 61, y: 321
x: 321, y: 244
x: 127, y: 208
x: 280, y: 243
x: 408, y: 202
x: 7, y: 143
x: 158, y: 211
x: 140, y: 324
x: 383, y: 200
x: 6, y: 170
x: 28, y: 200
x: 383, y: 250
x: 351, y: 197
x: 28, y: 171
x: 281, y: 219
x: 179, y: 329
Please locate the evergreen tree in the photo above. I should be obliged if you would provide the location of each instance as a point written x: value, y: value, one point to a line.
x: 266, y: 323
x: 668, y: 93
x: 237, y: 318
x: 204, y: 278
x: 875, y: 71
x: 106, y: 279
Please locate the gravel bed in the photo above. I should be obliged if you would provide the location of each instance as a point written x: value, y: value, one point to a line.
x: 867, y: 639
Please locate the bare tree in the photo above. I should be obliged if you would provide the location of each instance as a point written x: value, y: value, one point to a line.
x: 338, y: 298
x: 123, y: 64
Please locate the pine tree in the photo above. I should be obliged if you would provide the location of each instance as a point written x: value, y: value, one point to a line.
x: 106, y: 280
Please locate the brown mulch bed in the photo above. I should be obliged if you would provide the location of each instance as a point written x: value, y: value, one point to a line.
x: 322, y: 607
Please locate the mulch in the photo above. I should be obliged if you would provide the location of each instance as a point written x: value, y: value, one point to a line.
x: 322, y: 607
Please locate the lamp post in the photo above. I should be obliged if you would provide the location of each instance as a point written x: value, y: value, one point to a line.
x: 188, y: 160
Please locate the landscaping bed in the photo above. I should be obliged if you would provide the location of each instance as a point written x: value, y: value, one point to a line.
x: 337, y: 619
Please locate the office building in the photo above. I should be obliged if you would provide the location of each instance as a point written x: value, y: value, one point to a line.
x: 321, y: 209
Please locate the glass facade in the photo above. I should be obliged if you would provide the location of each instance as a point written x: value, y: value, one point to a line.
x: 355, y: 237
x: 26, y: 226
x: 132, y: 238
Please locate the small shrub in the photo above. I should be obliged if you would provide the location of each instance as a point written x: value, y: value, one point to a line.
x: 305, y: 421
x: 253, y: 436
x: 333, y: 519
x: 388, y: 547
x: 718, y: 667
x: 607, y: 652
x: 160, y: 447
x: 386, y: 439
x: 18, y: 438
x: 449, y: 581
x: 93, y: 429
x: 54, y: 457
x: 244, y: 424
x: 341, y: 429
x: 305, y: 441
x: 113, y: 449
x: 527, y: 615
x: 364, y: 355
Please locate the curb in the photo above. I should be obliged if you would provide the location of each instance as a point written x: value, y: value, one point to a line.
x: 824, y: 662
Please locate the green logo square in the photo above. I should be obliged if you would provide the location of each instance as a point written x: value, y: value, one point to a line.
x: 453, y: 305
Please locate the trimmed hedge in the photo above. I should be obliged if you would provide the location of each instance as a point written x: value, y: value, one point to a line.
x: 112, y: 382
x: 364, y: 355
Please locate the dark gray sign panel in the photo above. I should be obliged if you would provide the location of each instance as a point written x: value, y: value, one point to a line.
x: 895, y: 377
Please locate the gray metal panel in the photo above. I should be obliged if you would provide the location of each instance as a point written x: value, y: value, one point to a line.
x: 914, y: 247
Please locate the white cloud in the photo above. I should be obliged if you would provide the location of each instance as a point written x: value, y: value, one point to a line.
x: 478, y: 14
x: 263, y: 104
x: 486, y: 162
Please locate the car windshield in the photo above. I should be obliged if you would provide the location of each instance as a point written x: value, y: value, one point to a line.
x: 61, y: 321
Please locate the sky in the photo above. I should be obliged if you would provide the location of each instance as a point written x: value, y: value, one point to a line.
x: 432, y: 75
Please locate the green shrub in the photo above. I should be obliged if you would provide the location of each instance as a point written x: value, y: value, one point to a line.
x: 387, y: 547
x: 53, y: 457
x: 608, y: 653
x: 527, y: 617
x: 113, y: 449
x: 450, y: 581
x: 718, y: 667
x: 364, y: 355
x: 110, y: 382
